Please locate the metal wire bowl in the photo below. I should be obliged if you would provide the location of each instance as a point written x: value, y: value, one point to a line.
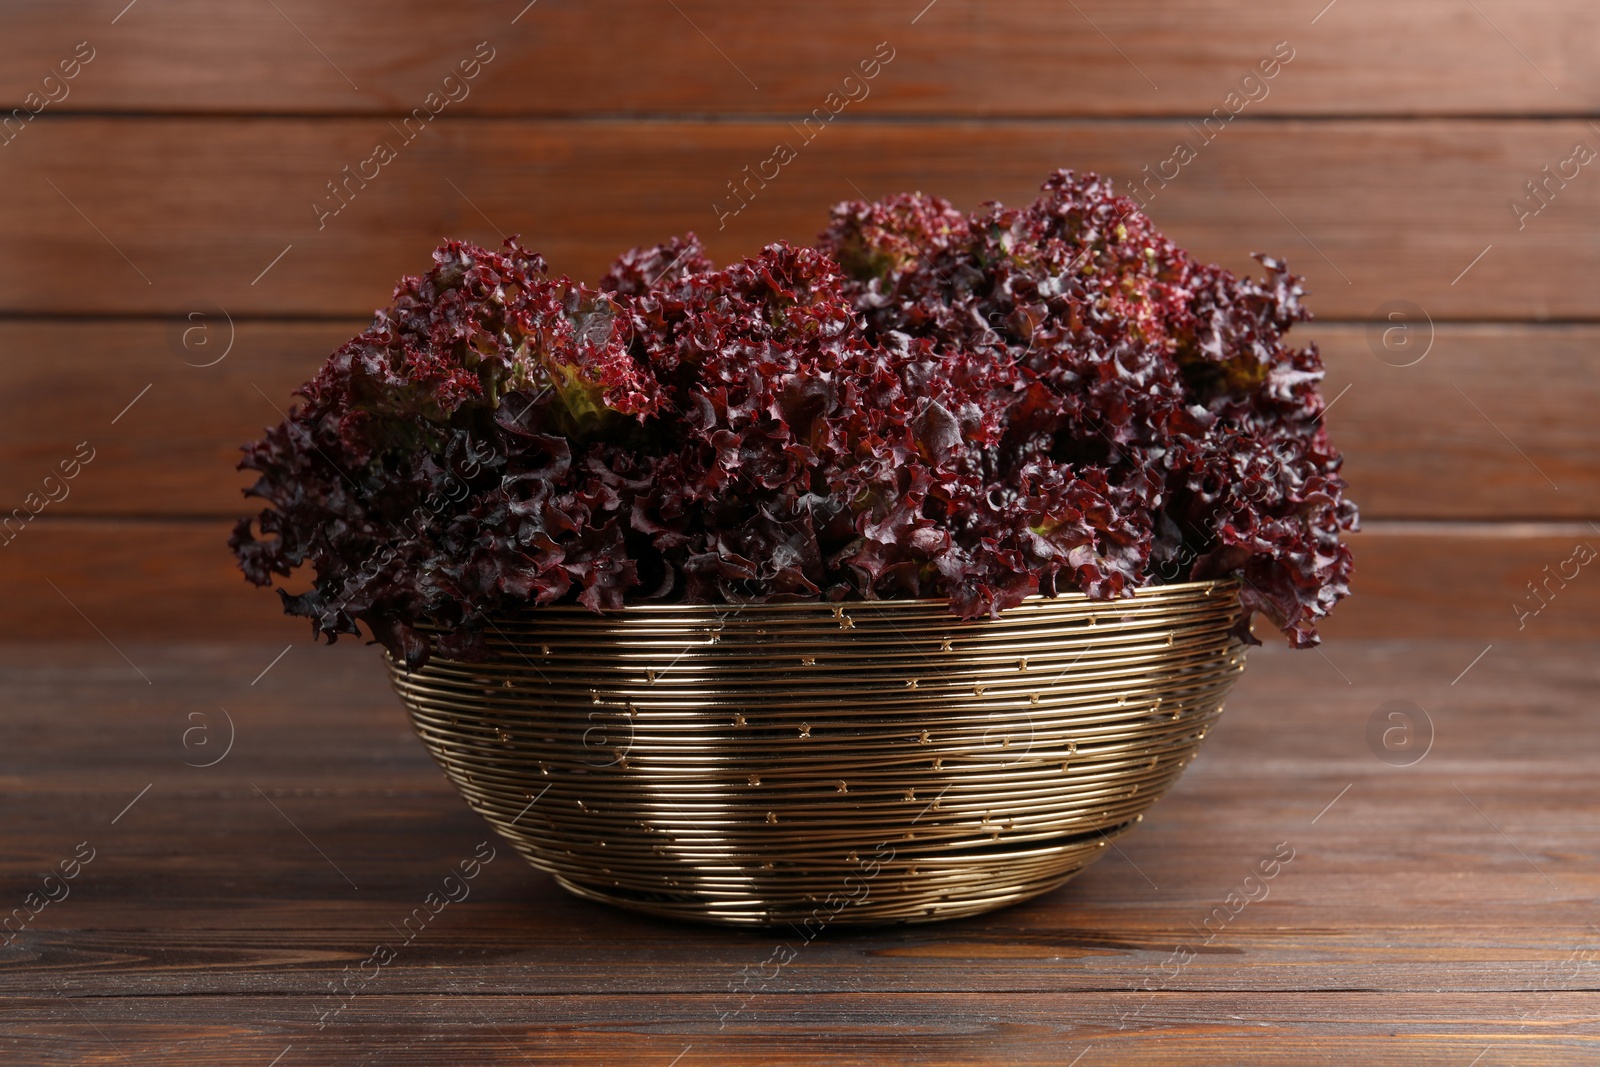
x: 813, y: 763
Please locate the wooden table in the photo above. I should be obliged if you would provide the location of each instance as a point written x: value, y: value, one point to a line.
x: 1442, y: 912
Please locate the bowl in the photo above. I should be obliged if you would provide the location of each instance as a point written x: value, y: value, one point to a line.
x: 816, y: 763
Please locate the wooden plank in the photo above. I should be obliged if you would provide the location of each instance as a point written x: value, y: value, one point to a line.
x: 1491, y: 421
x: 1416, y: 446
x: 176, y: 579
x: 184, y: 395
x: 74, y: 578
x: 161, y: 215
x: 1472, y: 581
x: 865, y: 1029
x: 959, y: 57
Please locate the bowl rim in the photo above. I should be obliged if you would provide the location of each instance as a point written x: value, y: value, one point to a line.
x: 1225, y: 586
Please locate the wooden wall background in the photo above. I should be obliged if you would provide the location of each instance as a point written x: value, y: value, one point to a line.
x: 168, y: 187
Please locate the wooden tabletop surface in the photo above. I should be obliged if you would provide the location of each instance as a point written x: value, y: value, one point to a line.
x: 1441, y: 912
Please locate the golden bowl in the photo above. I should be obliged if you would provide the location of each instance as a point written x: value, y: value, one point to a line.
x: 814, y: 763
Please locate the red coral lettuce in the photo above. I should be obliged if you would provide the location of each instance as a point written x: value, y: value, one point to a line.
x: 1039, y: 400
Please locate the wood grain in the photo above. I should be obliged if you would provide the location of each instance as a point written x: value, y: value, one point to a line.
x: 957, y: 57
x: 850, y: 1029
x: 211, y: 921
x: 159, y: 215
x: 175, y: 579
x: 1421, y: 442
